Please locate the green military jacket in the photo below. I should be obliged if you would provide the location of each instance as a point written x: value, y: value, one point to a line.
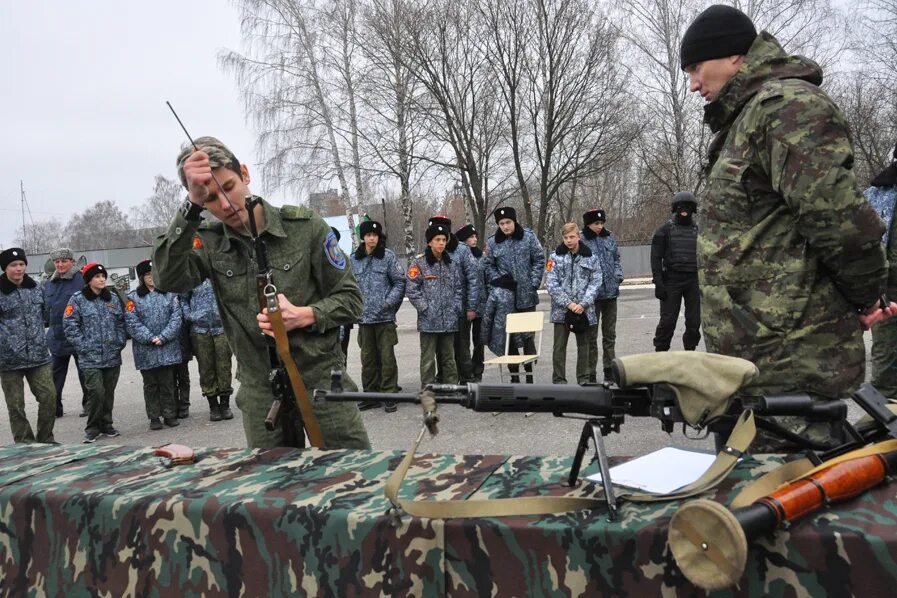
x: 309, y: 269
x: 789, y: 249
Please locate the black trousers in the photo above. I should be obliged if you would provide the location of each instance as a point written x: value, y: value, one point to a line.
x: 680, y: 286
x: 60, y: 372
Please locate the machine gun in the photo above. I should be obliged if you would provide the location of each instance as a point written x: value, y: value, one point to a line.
x: 604, y: 408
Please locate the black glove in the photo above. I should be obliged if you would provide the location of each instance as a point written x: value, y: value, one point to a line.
x: 504, y: 281
x: 660, y: 292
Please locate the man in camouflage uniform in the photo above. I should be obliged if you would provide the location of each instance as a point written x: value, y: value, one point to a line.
x: 212, y: 351
x: 434, y: 289
x: 468, y: 235
x: 604, y: 247
x: 460, y: 254
x: 94, y: 323
x: 515, y: 261
x: 316, y: 289
x: 154, y: 320
x: 790, y: 252
x: 23, y: 349
x: 382, y: 285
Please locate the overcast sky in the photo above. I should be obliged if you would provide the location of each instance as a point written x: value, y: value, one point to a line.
x: 83, y: 99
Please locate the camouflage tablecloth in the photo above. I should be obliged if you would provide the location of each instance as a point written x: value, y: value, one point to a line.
x: 110, y: 520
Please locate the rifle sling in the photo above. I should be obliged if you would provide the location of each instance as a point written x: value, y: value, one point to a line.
x: 300, y: 394
x: 738, y: 443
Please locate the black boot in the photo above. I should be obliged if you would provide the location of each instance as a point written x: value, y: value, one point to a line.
x: 214, y: 409
x: 224, y: 407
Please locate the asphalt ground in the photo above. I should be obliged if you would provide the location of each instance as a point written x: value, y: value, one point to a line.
x: 460, y: 431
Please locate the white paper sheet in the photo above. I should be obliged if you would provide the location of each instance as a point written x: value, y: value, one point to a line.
x: 660, y: 472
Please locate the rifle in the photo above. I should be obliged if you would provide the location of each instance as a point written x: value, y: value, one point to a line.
x: 604, y: 408
x: 287, y: 388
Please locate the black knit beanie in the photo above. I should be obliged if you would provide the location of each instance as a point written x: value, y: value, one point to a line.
x: 717, y: 32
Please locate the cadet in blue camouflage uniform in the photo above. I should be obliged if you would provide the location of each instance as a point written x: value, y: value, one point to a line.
x: 574, y: 276
x: 316, y: 290
x: 382, y: 284
x: 94, y: 323
x: 23, y: 349
x: 604, y: 247
x: 434, y: 289
x: 467, y: 265
x: 882, y: 195
x: 213, y: 354
x: 468, y: 235
x: 154, y: 322
x: 791, y: 261
x: 515, y: 261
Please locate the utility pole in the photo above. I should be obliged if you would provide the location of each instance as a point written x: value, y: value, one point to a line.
x: 24, y: 230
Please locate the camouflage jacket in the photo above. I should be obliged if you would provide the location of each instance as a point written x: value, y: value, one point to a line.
x: 883, y: 199
x: 604, y: 247
x: 307, y: 266
x: 382, y: 284
x: 519, y: 256
x: 201, y: 310
x: 150, y: 314
x: 789, y: 249
x: 23, y: 344
x: 57, y: 292
x: 495, y: 313
x: 95, y: 325
x: 460, y: 253
x: 482, y: 284
x: 573, y: 278
x: 434, y: 289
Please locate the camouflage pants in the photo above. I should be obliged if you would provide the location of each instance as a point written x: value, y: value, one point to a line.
x: 100, y: 385
x: 437, y: 347
x: 181, y: 386
x: 214, y: 360
x: 340, y: 423
x: 158, y: 392
x: 606, y: 310
x: 40, y: 381
x: 559, y: 357
x: 884, y: 357
x: 379, y: 370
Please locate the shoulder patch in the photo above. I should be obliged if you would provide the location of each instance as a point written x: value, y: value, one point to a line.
x: 130, y: 305
x: 197, y: 243
x: 413, y: 271
x: 69, y: 310
x: 549, y: 265
x: 295, y: 213
x: 334, y: 254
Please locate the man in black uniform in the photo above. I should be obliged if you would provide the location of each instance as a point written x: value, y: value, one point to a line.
x: 675, y: 269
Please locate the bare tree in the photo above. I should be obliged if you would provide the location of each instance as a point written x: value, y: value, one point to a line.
x: 157, y: 209
x: 101, y: 226
x: 41, y: 236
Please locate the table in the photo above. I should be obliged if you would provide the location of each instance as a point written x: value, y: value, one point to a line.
x: 115, y: 520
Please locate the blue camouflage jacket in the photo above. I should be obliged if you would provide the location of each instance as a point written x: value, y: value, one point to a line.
x: 57, y: 292
x: 573, y: 278
x: 604, y: 248
x: 461, y: 254
x: 381, y: 281
x: 518, y: 256
x: 482, y: 283
x: 149, y: 314
x: 201, y: 310
x: 22, y: 341
x: 499, y: 304
x: 883, y: 200
x: 434, y: 289
x: 95, y: 326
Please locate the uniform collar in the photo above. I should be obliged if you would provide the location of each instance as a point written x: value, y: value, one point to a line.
x: 70, y: 274
x: 7, y: 287
x: 273, y: 224
x: 106, y: 294
x: 431, y: 259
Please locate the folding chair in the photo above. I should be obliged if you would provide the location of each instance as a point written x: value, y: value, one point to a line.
x: 528, y: 321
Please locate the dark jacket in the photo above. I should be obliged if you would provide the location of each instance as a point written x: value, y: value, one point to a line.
x: 57, y: 292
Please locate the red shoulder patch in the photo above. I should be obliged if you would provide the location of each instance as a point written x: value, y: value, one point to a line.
x: 130, y: 305
x: 413, y: 271
x: 549, y: 265
x: 69, y: 310
x: 197, y: 243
